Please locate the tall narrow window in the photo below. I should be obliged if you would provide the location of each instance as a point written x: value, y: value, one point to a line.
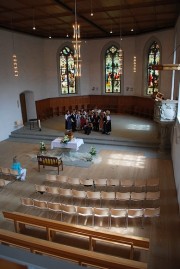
x: 153, y: 75
x: 67, y: 78
x: 112, y: 70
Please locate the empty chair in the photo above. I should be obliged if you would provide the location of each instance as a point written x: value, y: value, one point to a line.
x: 138, y: 197
x: 52, y: 190
x: 100, y: 182
x: 139, y: 184
x: 50, y: 177
x: 119, y: 213
x: 6, y: 172
x: 135, y: 214
x: 152, y: 184
x: 107, y: 196
x: 26, y: 201
x: 152, y: 196
x: 65, y: 193
x: 2, y: 182
x: 111, y: 182
x: 101, y: 213
x: 40, y: 188
x: 54, y: 207
x: 62, y: 179
x: 123, y: 197
x: 87, y: 182
x: 93, y: 196
x: 151, y: 213
x: 126, y: 184
x: 85, y: 212
x: 74, y: 181
x: 68, y: 210
x: 40, y: 204
x: 78, y: 195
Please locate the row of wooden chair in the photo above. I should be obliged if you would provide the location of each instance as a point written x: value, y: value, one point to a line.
x: 93, y: 212
x: 99, y: 195
x: 8, y: 173
x: 141, y: 184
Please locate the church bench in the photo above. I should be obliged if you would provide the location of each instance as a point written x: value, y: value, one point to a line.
x: 49, y: 161
x: 77, y: 255
x: 52, y: 227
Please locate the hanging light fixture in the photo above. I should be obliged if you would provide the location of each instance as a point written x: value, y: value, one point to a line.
x: 77, y: 47
x: 120, y: 49
x: 14, y: 59
x: 134, y: 64
x: 91, y: 9
x: 34, y: 25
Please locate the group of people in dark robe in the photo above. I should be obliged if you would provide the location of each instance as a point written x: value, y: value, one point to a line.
x: 93, y: 120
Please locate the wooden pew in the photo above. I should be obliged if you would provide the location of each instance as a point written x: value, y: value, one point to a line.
x: 53, y: 226
x: 80, y: 256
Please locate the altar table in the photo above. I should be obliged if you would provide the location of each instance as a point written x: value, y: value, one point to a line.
x: 75, y: 143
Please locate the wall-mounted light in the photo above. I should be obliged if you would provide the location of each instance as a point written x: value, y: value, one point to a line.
x: 134, y: 64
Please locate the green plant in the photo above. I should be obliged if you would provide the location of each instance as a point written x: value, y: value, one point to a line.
x: 65, y: 139
x: 42, y: 146
x: 93, y: 151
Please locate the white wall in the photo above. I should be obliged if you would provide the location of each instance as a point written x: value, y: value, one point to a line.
x: 38, y: 74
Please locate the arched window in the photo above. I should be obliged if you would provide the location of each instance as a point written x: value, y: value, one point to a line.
x: 153, y: 75
x: 67, y: 78
x: 113, y: 70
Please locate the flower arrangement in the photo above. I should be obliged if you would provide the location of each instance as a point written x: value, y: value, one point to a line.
x: 65, y: 139
x: 42, y: 146
x: 93, y: 151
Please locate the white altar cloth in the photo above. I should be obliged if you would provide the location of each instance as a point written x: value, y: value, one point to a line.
x: 75, y: 143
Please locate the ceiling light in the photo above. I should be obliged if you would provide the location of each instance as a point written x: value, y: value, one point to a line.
x: 77, y: 46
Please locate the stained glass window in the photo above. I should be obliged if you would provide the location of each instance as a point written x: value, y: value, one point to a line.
x: 67, y: 78
x: 153, y: 75
x: 113, y: 70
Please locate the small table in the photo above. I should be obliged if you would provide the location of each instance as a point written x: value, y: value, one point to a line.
x: 75, y: 143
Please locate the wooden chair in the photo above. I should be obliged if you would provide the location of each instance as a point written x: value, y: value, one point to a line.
x: 93, y: 196
x: 139, y: 184
x: 85, y: 212
x: 65, y: 193
x: 151, y: 213
x: 68, y: 210
x: 123, y: 197
x: 101, y: 213
x: 127, y: 184
x: 40, y: 188
x: 135, y: 214
x: 115, y: 183
x: 100, y: 183
x: 74, y: 181
x: 152, y: 196
x: 108, y: 196
x: 6, y: 172
x: 26, y: 201
x: 118, y: 214
x: 138, y: 197
x: 2, y: 182
x: 152, y: 184
x: 79, y: 195
x: 54, y: 207
x: 51, y: 178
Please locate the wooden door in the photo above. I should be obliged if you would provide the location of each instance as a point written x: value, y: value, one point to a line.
x: 23, y: 107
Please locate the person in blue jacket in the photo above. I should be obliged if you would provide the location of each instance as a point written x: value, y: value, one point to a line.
x: 21, y: 171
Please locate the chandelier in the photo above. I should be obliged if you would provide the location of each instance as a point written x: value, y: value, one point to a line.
x: 77, y: 47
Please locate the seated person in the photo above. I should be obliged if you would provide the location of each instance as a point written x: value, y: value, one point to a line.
x: 21, y: 171
x: 87, y: 128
